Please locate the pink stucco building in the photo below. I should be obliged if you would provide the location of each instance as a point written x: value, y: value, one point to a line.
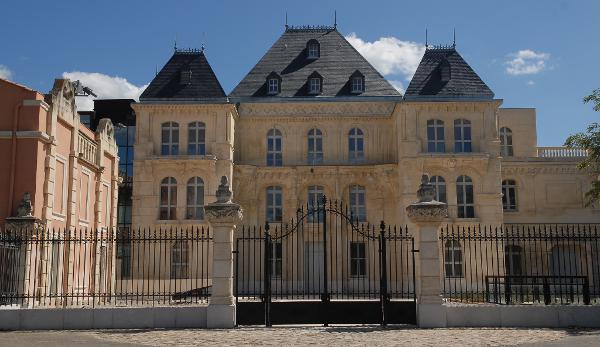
x: 70, y: 172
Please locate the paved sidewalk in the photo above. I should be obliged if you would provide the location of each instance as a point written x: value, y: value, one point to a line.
x: 301, y: 336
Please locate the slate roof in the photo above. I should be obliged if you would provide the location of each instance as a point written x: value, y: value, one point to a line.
x: 337, y: 62
x: 463, y: 83
x: 168, y: 84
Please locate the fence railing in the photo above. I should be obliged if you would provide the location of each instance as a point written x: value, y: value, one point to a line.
x: 561, y: 152
x: 84, y: 268
x: 516, y: 264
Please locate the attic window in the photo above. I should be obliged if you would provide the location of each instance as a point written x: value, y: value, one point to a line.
x: 444, y: 71
x: 185, y: 77
x: 313, y: 49
x: 273, y: 83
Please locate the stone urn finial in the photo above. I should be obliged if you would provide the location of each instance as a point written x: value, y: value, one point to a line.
x: 426, y: 192
x: 25, y: 208
x: 224, y: 193
x: 427, y: 208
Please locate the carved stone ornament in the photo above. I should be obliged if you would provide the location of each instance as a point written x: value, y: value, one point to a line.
x: 427, y: 209
x: 223, y: 210
x: 25, y: 208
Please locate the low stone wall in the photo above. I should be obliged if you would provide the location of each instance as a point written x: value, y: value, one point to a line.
x: 551, y: 316
x: 103, y: 318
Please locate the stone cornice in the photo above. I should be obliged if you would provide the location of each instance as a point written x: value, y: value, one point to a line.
x: 36, y: 103
x: 181, y: 107
x: 283, y: 110
x: 452, y: 106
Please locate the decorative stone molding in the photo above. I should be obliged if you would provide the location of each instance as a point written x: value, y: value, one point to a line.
x: 344, y: 109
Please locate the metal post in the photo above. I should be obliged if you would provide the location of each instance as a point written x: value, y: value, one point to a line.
x: 325, y: 293
x: 267, y: 276
x: 383, y: 292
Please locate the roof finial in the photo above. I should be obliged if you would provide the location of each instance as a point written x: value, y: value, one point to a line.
x: 175, y: 45
x: 425, y: 38
x: 335, y: 19
x: 203, y: 41
x: 155, y: 70
x: 286, y: 21
x: 454, y: 39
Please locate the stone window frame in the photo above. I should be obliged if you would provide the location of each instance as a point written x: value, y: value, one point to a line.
x: 437, y: 144
x: 274, y: 156
x: 314, y: 138
x: 509, y: 189
x: 180, y: 254
x: 196, y: 184
x: 463, y: 136
x: 355, y: 136
x: 357, y: 210
x: 107, y: 205
x: 198, y: 130
x: 453, y: 259
x: 439, y: 182
x: 272, y: 207
x: 170, y: 209
x: 86, y: 219
x: 506, y: 142
x: 465, y: 209
x: 169, y: 146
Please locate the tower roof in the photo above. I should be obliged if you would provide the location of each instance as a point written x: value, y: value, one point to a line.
x: 430, y: 81
x: 337, y: 60
x: 186, y: 76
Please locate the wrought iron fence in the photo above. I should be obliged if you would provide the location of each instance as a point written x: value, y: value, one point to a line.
x: 521, y: 263
x: 85, y: 268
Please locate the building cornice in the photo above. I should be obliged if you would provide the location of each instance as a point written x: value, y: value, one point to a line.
x: 371, y: 109
x: 36, y: 103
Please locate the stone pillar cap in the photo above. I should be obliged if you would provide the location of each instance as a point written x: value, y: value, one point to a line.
x: 427, y: 209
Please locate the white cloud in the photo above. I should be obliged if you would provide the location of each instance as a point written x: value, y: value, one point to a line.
x: 526, y: 62
x: 390, y: 55
x: 106, y: 87
x: 530, y: 82
x: 398, y: 85
x: 5, y: 72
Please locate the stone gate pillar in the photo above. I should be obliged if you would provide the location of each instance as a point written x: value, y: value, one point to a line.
x: 223, y: 217
x: 427, y: 215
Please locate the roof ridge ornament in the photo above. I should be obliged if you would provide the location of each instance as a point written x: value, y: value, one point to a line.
x: 305, y: 28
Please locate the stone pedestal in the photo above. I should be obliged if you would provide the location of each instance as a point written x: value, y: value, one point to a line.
x: 223, y: 217
x: 427, y: 215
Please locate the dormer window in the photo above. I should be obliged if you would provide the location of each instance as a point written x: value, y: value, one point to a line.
x: 444, y: 71
x: 273, y: 84
x: 357, y: 83
x: 185, y: 77
x: 313, y: 49
x: 314, y: 84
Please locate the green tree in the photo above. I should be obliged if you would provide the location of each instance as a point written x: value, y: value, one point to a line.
x: 590, y: 140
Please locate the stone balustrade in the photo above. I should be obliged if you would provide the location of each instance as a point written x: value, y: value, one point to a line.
x: 87, y: 149
x: 561, y: 152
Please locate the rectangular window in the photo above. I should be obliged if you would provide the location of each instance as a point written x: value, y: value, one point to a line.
x: 275, y: 259
x: 274, y: 148
x: 358, y: 207
x: 358, y: 259
x: 273, y: 86
x: 357, y: 85
x: 314, y: 85
x: 179, y: 260
x: 196, y: 138
x: 453, y: 259
x: 274, y: 204
x: 462, y: 136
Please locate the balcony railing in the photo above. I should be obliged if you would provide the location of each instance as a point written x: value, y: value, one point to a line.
x: 561, y: 152
x: 87, y: 149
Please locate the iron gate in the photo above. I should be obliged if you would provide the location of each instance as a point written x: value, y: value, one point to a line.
x: 324, y: 266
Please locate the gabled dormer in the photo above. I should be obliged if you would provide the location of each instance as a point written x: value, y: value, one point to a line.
x: 273, y: 83
x: 357, y: 83
x: 313, y: 49
x: 314, y: 84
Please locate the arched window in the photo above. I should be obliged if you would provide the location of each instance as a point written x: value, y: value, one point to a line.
x: 169, y: 138
x: 509, y: 195
x: 274, y: 148
x: 513, y: 260
x: 506, y: 146
x: 196, y: 138
x: 315, y: 146
x: 179, y: 260
x: 313, y: 49
x: 274, y: 204
x: 195, y: 198
x: 356, y: 145
x: 435, y: 136
x: 168, y: 198
x: 439, y: 184
x: 358, y: 203
x: 453, y: 259
x: 464, y: 197
x: 315, y: 200
x: 462, y: 136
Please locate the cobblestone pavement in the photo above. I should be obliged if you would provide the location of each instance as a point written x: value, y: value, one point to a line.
x: 300, y: 336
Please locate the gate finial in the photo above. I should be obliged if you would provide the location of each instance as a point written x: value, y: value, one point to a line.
x: 223, y: 192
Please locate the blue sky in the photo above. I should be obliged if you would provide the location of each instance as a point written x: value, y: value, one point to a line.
x: 541, y: 54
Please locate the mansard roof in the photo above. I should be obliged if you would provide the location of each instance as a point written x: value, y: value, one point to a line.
x: 186, y: 76
x: 428, y: 83
x: 337, y: 61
